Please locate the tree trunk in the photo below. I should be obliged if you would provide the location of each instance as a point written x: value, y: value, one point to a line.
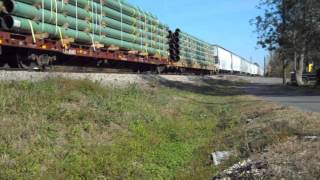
x: 300, y: 70
x: 295, y: 61
x: 284, y: 74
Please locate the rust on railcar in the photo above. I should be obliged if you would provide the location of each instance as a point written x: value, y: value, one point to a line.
x: 26, y: 41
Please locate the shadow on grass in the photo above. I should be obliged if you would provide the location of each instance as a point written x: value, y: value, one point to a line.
x: 277, y: 90
x: 215, y: 87
x: 203, y: 86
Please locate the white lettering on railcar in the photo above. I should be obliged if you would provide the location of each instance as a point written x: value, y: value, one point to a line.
x: 70, y: 51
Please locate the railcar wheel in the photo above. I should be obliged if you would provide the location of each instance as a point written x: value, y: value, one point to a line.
x: 27, y: 63
x: 44, y: 61
x: 160, y: 69
x: 102, y: 63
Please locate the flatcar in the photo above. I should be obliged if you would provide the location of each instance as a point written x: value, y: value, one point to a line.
x: 39, y: 34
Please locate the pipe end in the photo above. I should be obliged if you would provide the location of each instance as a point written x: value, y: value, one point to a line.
x: 9, y: 6
x: 7, y: 22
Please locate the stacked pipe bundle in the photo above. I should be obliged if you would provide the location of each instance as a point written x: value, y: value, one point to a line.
x: 106, y: 22
x: 193, y: 50
x: 174, y: 45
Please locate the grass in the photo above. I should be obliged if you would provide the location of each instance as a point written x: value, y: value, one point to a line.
x: 79, y: 129
x: 70, y: 129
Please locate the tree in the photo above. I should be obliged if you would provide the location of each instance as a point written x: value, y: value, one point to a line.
x: 275, y: 66
x: 272, y: 29
x: 292, y: 27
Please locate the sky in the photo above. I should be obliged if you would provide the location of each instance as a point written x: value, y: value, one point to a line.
x: 223, y: 22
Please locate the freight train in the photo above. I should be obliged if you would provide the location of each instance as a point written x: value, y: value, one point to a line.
x: 229, y: 62
x: 40, y: 34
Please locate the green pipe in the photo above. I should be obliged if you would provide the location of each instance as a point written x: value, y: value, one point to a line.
x: 59, y: 8
x: 196, y: 52
x: 155, y: 19
x: 197, y: 56
x: 191, y: 60
x: 116, y: 14
x: 191, y: 49
x: 195, y: 59
x: 196, y: 49
x: 186, y: 35
x: 118, y: 5
x: 10, y: 4
x: 81, y: 25
x: 81, y: 13
x: 205, y: 46
x: 23, y: 25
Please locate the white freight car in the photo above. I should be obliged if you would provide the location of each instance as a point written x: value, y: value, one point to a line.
x: 236, y: 63
x: 260, y: 72
x: 252, y: 69
x: 245, y: 66
x: 255, y: 70
x: 223, y: 59
x: 229, y: 62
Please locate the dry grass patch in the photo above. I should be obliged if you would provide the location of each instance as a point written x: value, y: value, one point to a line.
x: 294, y: 159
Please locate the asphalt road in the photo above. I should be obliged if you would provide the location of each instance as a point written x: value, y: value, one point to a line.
x: 271, y: 89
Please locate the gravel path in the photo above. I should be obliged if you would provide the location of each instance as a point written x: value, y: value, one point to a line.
x: 125, y: 79
x: 105, y: 79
